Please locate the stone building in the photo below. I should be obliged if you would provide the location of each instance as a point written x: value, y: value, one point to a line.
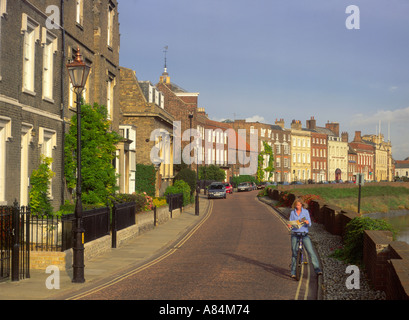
x: 37, y: 40
x: 402, y: 168
x: 300, y: 152
x: 142, y: 113
x: 383, y: 157
x: 319, y: 151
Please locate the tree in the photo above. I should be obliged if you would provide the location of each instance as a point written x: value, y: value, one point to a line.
x: 212, y: 172
x: 189, y: 176
x: 97, y: 154
x: 40, y: 179
x: 261, y: 173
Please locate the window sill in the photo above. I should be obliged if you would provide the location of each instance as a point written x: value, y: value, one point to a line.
x: 79, y: 26
x: 31, y: 93
x: 49, y: 100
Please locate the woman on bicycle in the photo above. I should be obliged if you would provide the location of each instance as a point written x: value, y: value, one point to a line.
x: 298, y: 212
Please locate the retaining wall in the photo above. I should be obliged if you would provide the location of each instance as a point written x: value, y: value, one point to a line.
x: 386, y: 261
x: 144, y: 221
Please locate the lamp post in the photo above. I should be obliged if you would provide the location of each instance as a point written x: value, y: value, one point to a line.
x: 78, y: 72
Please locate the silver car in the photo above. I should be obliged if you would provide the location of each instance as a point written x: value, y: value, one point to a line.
x: 216, y: 190
x: 244, y: 186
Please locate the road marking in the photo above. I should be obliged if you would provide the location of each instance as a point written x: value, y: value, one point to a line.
x: 147, y: 265
x: 307, y: 284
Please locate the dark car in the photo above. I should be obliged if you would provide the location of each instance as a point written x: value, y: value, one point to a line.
x: 229, y: 188
x: 216, y: 190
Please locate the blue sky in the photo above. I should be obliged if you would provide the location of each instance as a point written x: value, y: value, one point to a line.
x: 291, y: 59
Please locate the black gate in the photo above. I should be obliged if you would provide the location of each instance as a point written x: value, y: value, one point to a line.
x: 14, y: 244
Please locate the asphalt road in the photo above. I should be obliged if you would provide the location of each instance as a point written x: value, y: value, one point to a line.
x: 240, y: 252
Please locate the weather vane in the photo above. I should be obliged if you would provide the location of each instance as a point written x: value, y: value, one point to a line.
x: 165, y: 51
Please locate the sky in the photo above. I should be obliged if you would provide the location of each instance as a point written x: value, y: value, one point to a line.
x: 263, y: 60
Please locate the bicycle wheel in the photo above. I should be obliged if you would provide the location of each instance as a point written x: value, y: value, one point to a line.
x: 298, y: 265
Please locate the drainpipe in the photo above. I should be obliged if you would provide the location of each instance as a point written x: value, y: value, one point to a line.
x: 62, y: 100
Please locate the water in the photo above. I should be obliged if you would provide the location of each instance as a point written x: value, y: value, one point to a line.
x: 399, y: 219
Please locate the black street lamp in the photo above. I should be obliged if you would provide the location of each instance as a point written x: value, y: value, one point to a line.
x: 78, y: 72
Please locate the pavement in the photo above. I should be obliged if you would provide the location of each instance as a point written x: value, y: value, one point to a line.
x: 135, y: 253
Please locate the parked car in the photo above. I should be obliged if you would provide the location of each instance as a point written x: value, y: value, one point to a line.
x: 216, y: 190
x: 261, y: 185
x: 244, y: 186
x: 229, y: 188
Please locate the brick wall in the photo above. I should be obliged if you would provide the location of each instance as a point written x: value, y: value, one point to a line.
x: 386, y: 261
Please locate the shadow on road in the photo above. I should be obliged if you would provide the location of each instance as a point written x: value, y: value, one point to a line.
x: 278, y: 271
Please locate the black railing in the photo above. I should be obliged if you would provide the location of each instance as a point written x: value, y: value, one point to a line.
x: 175, y: 201
x: 6, y: 220
x: 14, y: 243
x: 96, y: 225
x: 123, y: 216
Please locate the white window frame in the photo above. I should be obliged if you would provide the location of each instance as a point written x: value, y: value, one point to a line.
x: 26, y: 141
x: 31, y: 32
x: 79, y: 14
x: 5, y: 136
x: 110, y: 96
x: 47, y: 141
x: 110, y: 24
x: 3, y: 12
x: 50, y: 47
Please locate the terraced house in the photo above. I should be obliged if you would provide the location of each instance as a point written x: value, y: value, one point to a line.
x: 38, y: 38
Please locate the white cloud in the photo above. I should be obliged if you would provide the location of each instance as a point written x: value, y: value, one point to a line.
x: 256, y: 119
x: 392, y: 116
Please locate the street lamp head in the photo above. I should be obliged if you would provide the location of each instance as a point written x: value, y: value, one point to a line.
x: 78, y: 71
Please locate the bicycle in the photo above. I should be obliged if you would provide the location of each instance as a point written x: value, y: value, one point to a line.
x: 300, y: 255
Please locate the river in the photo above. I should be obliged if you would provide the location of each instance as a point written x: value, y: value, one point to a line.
x: 399, y: 219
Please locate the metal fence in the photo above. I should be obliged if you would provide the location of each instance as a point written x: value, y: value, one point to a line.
x: 14, y: 243
x: 175, y: 201
x: 123, y: 216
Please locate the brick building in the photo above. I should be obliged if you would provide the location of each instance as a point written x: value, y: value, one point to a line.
x: 383, y: 167
x: 143, y: 112
x: 365, y: 156
x: 36, y: 102
x: 278, y: 138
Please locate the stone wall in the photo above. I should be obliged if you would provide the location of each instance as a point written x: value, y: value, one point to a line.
x: 386, y: 261
x: 145, y: 221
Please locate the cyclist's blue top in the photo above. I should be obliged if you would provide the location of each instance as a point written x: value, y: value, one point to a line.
x: 304, y: 214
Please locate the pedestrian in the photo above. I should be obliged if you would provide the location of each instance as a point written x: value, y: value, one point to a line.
x: 298, y: 212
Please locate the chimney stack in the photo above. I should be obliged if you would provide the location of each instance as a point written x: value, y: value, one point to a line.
x: 334, y: 127
x: 280, y: 123
x: 357, y: 136
x: 312, y: 124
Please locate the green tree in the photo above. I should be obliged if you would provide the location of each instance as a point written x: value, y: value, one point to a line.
x: 268, y: 171
x: 39, y: 194
x: 189, y: 176
x: 211, y: 172
x: 97, y: 154
x: 145, y: 180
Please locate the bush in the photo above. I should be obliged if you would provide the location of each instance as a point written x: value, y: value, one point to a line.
x: 189, y: 176
x: 180, y: 187
x: 352, y: 252
x: 145, y: 180
x: 40, y: 202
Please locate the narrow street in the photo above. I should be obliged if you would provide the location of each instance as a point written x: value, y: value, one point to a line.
x: 240, y: 252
